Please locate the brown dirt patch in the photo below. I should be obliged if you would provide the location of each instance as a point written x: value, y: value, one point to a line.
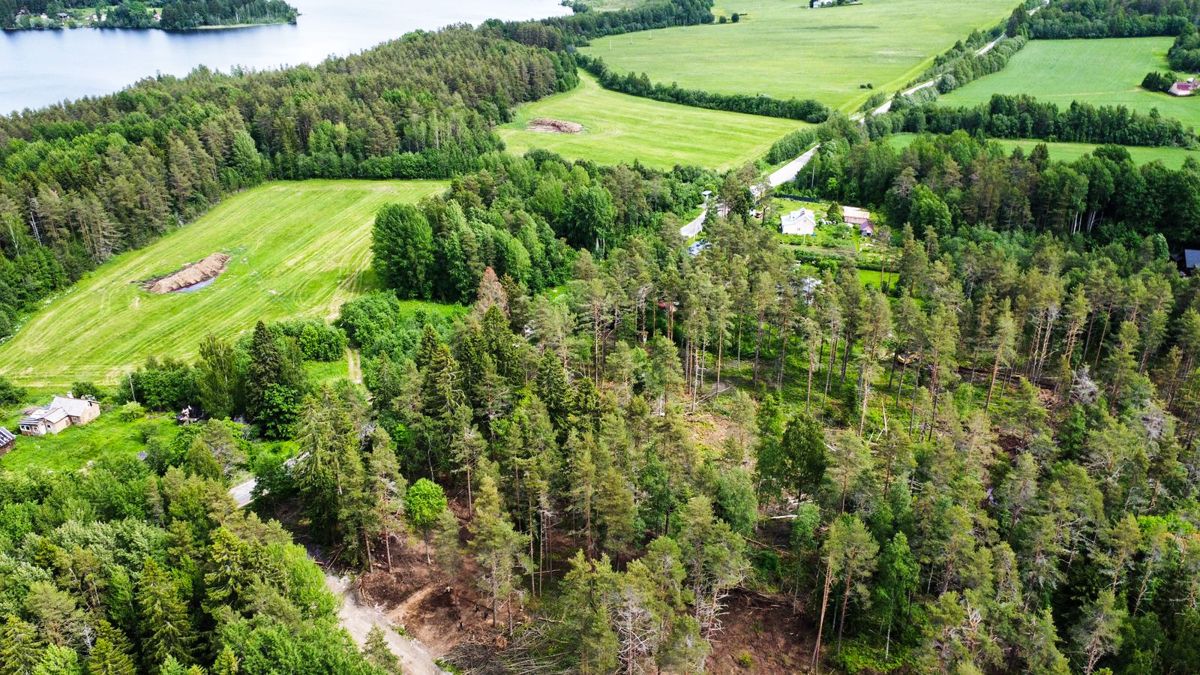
x: 553, y: 126
x: 777, y: 639
x: 189, y: 275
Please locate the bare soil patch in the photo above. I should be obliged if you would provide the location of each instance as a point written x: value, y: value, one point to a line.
x: 552, y: 126
x: 189, y: 275
x: 776, y: 639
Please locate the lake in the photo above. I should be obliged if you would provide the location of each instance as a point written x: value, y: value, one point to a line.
x: 42, y: 67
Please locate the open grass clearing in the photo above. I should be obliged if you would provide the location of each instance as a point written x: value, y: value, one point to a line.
x: 786, y: 50
x: 623, y: 128
x: 298, y: 249
x: 1099, y: 72
x: 107, y: 436
x: 1067, y: 152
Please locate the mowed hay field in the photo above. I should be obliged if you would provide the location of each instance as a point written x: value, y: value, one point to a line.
x: 623, y: 128
x: 786, y: 50
x: 298, y: 249
x: 1067, y: 152
x: 1099, y: 72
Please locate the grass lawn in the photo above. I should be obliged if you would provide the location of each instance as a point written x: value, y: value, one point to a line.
x: 1100, y: 72
x: 1067, y: 152
x: 107, y: 436
x: 621, y: 128
x: 298, y: 249
x: 786, y: 50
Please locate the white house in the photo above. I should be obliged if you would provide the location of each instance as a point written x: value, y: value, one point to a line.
x: 80, y: 410
x: 800, y: 221
x: 42, y: 421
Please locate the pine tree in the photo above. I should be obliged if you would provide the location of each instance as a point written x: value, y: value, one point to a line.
x: 379, y: 654
x: 107, y: 659
x: 496, y: 546
x: 59, y: 660
x: 166, y: 631
x: 226, y: 663
x: 20, y: 647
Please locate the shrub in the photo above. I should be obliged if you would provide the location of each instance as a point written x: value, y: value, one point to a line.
x: 10, y: 394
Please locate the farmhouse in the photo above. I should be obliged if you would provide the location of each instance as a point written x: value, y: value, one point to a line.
x: 853, y: 215
x: 42, y: 421
x: 1185, y: 88
x: 7, y: 439
x: 800, y: 221
x: 62, y: 412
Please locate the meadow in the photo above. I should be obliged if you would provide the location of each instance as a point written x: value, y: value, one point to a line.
x: 298, y: 249
x: 623, y: 128
x: 1099, y: 72
x: 786, y: 50
x: 1067, y: 152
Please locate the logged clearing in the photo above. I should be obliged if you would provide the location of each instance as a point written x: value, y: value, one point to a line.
x: 295, y: 249
x: 614, y: 128
x: 1099, y: 72
x: 786, y: 50
x: 1067, y: 152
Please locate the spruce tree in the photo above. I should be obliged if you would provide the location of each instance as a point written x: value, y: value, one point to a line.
x: 107, y: 659
x: 163, y: 622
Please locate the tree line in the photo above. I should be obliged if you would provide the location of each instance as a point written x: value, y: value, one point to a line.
x: 1023, y: 116
x: 808, y: 110
x: 1064, y: 19
x: 173, y: 14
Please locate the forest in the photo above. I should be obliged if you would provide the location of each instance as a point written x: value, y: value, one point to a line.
x: 1064, y: 19
x: 975, y: 450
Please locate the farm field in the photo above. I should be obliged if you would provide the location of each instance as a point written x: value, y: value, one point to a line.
x: 1067, y: 152
x: 297, y: 249
x: 1100, y: 72
x: 623, y: 128
x: 786, y: 50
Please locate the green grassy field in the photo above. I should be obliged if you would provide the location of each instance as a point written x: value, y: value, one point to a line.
x: 107, y: 436
x: 622, y: 128
x: 298, y: 249
x: 785, y: 49
x: 1100, y: 72
x: 1066, y: 152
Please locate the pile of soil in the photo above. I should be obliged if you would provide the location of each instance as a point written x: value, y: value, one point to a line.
x: 553, y: 126
x: 189, y: 275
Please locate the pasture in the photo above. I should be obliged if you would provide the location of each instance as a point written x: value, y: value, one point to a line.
x: 786, y: 50
x: 1099, y: 72
x: 1067, y: 152
x: 297, y: 249
x: 623, y: 128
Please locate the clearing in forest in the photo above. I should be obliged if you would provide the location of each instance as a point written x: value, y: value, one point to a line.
x: 623, y: 128
x: 786, y: 50
x: 1099, y: 72
x: 1068, y: 152
x: 296, y: 249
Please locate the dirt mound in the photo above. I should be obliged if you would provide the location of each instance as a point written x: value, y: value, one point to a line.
x: 552, y: 126
x: 189, y: 275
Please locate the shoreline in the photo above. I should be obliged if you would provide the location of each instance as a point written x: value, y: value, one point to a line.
x: 197, y: 29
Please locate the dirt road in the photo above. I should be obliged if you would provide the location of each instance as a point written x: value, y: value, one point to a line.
x: 358, y: 619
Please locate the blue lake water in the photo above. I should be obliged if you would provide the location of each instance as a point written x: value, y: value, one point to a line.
x: 42, y: 67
